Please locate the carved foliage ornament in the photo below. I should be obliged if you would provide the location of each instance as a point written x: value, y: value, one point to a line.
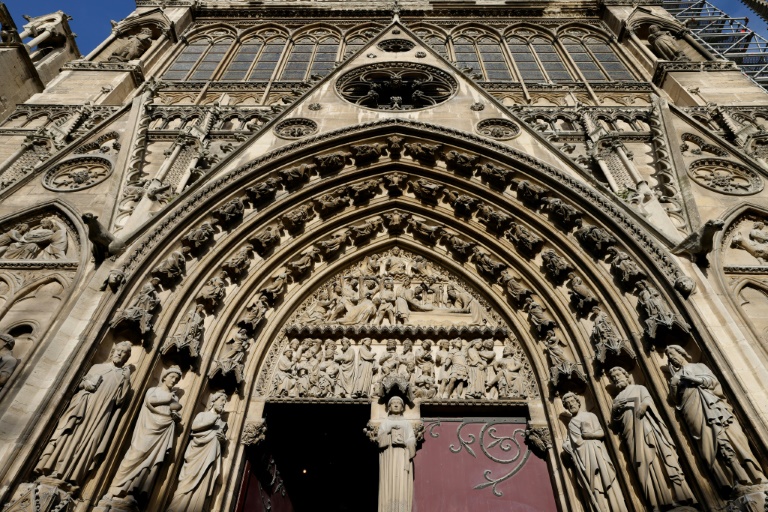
x: 77, y: 174
x: 396, y: 86
x: 725, y: 177
x: 296, y: 128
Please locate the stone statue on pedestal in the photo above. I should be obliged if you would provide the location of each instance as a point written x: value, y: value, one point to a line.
x: 397, y: 448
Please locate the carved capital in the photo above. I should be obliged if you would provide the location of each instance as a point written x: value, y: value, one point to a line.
x: 539, y: 438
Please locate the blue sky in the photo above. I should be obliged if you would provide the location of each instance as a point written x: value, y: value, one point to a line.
x: 91, y: 17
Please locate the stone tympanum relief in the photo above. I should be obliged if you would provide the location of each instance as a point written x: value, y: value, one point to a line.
x: 594, y: 471
x: 397, y: 314
x: 651, y: 449
x: 711, y: 422
x: 43, y: 238
x: 152, y: 439
x: 85, y: 430
x: 752, y: 238
x: 202, y: 460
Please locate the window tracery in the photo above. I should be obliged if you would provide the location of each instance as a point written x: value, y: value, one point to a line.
x: 479, y: 53
x: 256, y: 59
x: 199, y: 60
x: 536, y: 58
x: 311, y: 55
x: 594, y: 58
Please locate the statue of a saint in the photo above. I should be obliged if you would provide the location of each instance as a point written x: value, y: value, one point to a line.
x: 397, y: 447
x: 664, y: 44
x: 202, y: 460
x: 650, y: 446
x: 366, y: 363
x: 133, y: 47
x: 594, y: 469
x: 152, y: 438
x: 141, y: 311
x: 85, y: 430
x: 711, y: 422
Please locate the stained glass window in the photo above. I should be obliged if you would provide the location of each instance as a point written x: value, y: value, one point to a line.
x: 198, y: 60
x: 484, y: 55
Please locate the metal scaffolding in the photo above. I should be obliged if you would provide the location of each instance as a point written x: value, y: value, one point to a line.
x: 724, y: 35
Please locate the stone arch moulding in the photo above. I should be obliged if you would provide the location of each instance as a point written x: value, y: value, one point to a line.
x: 383, y: 149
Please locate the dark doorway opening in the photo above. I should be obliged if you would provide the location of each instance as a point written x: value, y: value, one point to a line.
x: 315, y: 458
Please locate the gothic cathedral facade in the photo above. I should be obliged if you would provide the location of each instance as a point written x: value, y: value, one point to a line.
x: 417, y: 256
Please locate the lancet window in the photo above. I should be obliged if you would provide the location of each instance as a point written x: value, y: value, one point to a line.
x: 256, y: 59
x: 595, y: 59
x: 482, y: 54
x: 199, y: 59
x: 537, y: 60
x: 433, y: 39
x: 311, y: 55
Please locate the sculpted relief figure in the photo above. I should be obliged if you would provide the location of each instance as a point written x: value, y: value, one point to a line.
x: 507, y: 382
x: 202, y: 460
x: 174, y: 266
x: 397, y: 448
x: 152, y: 439
x: 711, y: 422
x: 756, y: 244
x: 133, y: 47
x: 594, y: 470
x: 650, y: 446
x: 12, y: 236
x: 366, y: 366
x: 47, y: 241
x: 240, y: 262
x: 7, y: 361
x: 85, y: 430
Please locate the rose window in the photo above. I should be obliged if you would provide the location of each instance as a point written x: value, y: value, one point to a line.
x: 396, y: 86
x: 725, y: 176
x: 77, y: 174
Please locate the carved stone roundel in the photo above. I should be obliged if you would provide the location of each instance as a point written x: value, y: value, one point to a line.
x: 396, y: 45
x: 77, y: 174
x: 396, y: 86
x: 725, y: 177
x: 499, y: 129
x: 296, y: 128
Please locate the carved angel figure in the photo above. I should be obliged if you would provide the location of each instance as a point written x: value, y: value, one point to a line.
x: 537, y: 317
x: 657, y: 312
x: 232, y: 357
x: 430, y: 232
x: 304, y: 263
x: 174, y: 266
x: 555, y: 265
x: 190, y: 335
x: 214, y: 290
x: 487, y: 263
x: 267, y: 239
x: 240, y: 262
x: 264, y: 191
x: 332, y: 245
x: 460, y: 246
x: 365, y: 230
x: 361, y: 192
x: 199, y: 236
x: 230, y: 211
x: 462, y: 204
x: 142, y: 308
x: 495, y: 220
x: 427, y: 190
x: 515, y: 290
x: 395, y: 182
x: 524, y: 238
x: 396, y: 221
x: 329, y: 203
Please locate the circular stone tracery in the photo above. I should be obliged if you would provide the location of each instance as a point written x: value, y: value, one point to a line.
x: 77, y: 174
x: 499, y: 129
x: 396, y: 86
x: 725, y: 177
x: 396, y: 45
x: 296, y: 128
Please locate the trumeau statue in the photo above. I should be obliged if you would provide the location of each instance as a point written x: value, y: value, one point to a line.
x: 397, y: 448
x: 649, y: 443
x: 152, y: 438
x: 711, y: 422
x: 594, y: 470
x: 7, y: 361
x: 202, y: 460
x: 85, y: 430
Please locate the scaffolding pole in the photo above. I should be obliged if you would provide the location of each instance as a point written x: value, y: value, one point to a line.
x: 725, y: 36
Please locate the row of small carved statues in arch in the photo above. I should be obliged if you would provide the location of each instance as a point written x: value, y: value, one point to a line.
x: 453, y: 369
x: 722, y: 444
